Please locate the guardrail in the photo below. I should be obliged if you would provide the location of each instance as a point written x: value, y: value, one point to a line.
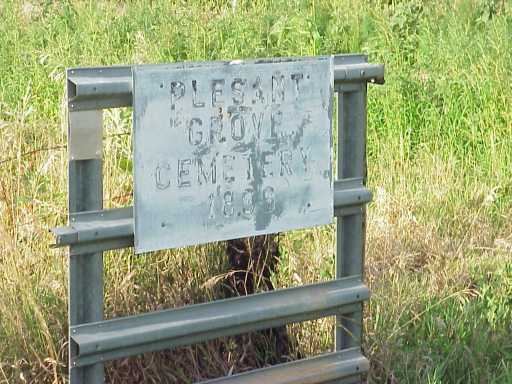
x: 92, y: 230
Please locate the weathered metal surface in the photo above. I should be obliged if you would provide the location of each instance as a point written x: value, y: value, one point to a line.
x: 109, y: 87
x: 230, y: 150
x: 85, y: 135
x: 113, y: 228
x: 371, y: 72
x: 351, y: 162
x: 323, y: 369
x: 97, y: 88
x: 85, y: 270
x: 171, y: 328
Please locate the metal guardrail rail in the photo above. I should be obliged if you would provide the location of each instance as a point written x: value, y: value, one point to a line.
x: 92, y: 230
x: 111, y: 87
x: 103, y: 230
x: 126, y: 336
x: 326, y: 369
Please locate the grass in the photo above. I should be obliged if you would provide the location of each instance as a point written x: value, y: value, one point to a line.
x: 439, y: 239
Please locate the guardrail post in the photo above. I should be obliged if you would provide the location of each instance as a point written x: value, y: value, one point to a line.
x: 350, y: 230
x: 85, y: 270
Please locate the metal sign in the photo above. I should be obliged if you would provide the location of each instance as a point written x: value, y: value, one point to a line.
x: 231, y: 149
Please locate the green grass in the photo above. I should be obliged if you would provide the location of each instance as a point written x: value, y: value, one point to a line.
x: 439, y: 239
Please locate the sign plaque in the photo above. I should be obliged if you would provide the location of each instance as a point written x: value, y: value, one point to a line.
x: 231, y: 149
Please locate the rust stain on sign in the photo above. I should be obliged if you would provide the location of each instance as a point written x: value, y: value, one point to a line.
x: 232, y: 149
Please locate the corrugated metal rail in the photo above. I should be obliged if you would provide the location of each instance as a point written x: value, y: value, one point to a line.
x: 326, y: 369
x: 111, y: 87
x: 127, y: 336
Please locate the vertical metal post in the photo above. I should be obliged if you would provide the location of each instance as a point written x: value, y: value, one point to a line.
x: 85, y: 270
x: 350, y: 230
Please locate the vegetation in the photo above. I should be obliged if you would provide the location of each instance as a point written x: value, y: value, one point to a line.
x: 439, y: 239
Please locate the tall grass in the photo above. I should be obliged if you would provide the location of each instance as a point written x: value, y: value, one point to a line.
x: 439, y: 248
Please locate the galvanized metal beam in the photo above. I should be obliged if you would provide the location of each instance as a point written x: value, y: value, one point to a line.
x: 321, y: 369
x: 373, y: 73
x: 95, y: 225
x: 113, y: 229
x: 99, y: 87
x: 350, y: 229
x: 85, y: 270
x: 111, y: 87
x: 132, y: 335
